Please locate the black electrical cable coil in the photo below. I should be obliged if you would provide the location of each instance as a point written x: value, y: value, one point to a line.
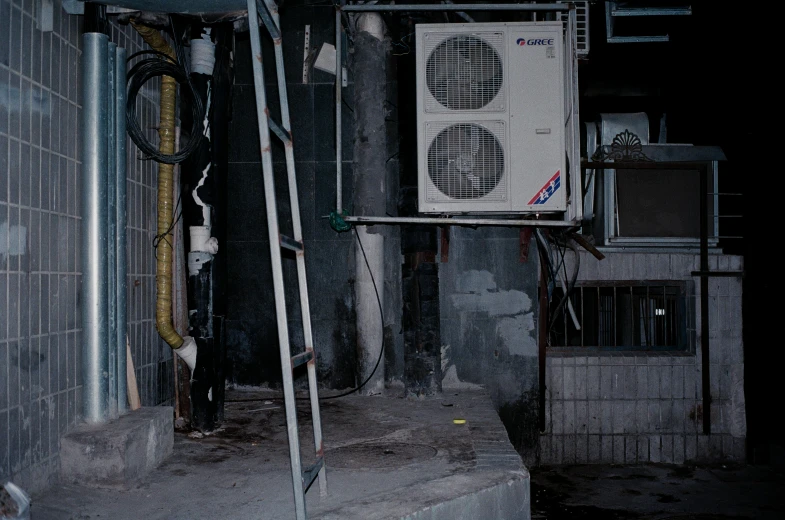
x: 160, y: 64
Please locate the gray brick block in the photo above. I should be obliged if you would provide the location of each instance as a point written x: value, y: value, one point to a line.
x: 594, y: 417
x: 569, y: 382
x: 569, y: 417
x: 677, y: 382
x: 702, y: 452
x: 642, y: 416
x: 655, y: 443
x: 606, y: 449
x: 655, y: 420
x: 631, y: 381
x: 569, y: 449
x: 678, y: 417
x: 595, y: 448
x: 581, y: 449
x: 666, y: 415
x: 666, y: 390
x: 689, y: 382
x: 642, y: 382
x: 629, y: 417
x: 617, y: 382
x: 690, y: 448
x: 653, y: 378
x: 593, y: 382
x: 618, y: 417
x: 606, y: 417
x: 666, y: 452
x: 618, y: 449
x: 557, y: 417
x: 581, y: 417
x: 557, y: 378
x: 630, y: 449
x: 581, y: 382
x: 606, y: 382
x: 642, y: 448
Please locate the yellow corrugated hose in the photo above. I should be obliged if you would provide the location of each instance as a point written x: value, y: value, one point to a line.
x: 166, y: 132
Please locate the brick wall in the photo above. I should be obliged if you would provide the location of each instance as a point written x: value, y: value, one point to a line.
x: 40, y: 237
x: 634, y: 407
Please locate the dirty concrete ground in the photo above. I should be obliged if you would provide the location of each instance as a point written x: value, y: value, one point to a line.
x: 386, y: 458
x: 658, y: 492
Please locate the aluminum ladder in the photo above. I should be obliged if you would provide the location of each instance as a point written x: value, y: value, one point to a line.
x: 266, y: 11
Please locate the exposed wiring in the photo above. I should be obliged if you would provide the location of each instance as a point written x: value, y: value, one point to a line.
x: 157, y: 239
x: 381, y: 351
x: 159, y: 64
x: 553, y: 249
x: 403, y: 45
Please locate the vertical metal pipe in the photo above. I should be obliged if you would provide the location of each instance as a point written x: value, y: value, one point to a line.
x: 574, y: 153
x: 300, y: 255
x: 704, y: 260
x: 273, y: 231
x: 121, y: 235
x: 338, y: 86
x: 111, y: 219
x: 95, y: 59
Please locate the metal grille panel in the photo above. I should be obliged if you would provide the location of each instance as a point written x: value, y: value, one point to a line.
x: 464, y: 72
x: 466, y: 162
x: 642, y: 315
x: 582, y: 29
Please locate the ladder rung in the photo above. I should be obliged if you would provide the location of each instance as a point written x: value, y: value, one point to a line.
x: 279, y: 131
x: 290, y: 243
x: 301, y: 359
x: 267, y: 20
x: 310, y: 474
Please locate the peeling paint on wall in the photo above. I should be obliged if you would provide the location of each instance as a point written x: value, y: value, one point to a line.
x: 478, y: 292
x: 512, y: 329
x: 13, y: 240
x: 450, y: 381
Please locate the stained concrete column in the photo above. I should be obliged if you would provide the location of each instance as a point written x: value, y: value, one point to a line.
x: 370, y: 151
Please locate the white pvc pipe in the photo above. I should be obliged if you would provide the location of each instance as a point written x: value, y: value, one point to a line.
x: 370, y: 329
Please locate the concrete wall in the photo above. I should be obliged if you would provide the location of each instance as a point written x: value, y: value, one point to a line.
x: 252, y: 342
x: 634, y: 407
x: 489, y: 334
x: 40, y: 237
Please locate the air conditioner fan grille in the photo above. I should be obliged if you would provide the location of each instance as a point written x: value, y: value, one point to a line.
x: 466, y: 161
x: 464, y: 73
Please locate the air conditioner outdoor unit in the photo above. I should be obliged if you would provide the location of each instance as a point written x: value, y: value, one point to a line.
x: 491, y: 118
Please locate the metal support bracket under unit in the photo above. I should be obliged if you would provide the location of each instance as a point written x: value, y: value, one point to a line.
x: 617, y: 9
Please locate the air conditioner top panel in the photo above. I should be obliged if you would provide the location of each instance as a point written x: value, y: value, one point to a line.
x: 464, y: 64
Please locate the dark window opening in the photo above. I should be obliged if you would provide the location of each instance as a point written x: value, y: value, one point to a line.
x: 648, y: 315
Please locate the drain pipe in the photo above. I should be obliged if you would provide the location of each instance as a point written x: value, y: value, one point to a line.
x: 370, y: 55
x: 95, y: 292
x: 203, y: 247
x: 121, y: 219
x: 185, y: 347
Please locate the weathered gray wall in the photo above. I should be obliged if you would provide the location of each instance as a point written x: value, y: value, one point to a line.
x: 251, y: 332
x: 40, y: 236
x: 635, y: 407
x: 489, y: 333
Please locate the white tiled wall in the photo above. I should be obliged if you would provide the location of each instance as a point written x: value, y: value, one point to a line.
x: 628, y: 407
x: 40, y: 236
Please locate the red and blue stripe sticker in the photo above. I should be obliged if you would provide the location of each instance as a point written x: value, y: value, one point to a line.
x: 547, y: 191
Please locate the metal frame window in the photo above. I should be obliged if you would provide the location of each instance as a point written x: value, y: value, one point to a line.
x: 623, y: 315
